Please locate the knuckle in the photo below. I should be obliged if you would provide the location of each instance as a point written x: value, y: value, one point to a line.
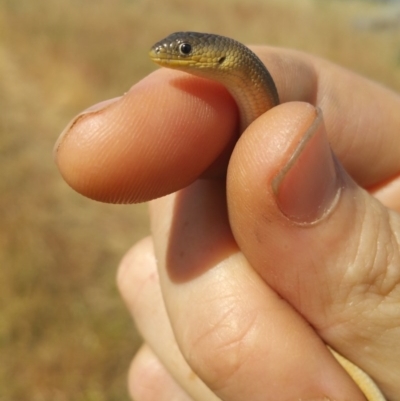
x: 136, y: 272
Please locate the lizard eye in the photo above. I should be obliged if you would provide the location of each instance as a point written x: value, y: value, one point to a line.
x: 185, y: 49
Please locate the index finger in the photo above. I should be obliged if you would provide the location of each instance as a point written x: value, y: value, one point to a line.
x: 172, y: 128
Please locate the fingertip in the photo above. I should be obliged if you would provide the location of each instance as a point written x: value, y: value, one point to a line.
x: 90, y: 110
x: 134, y: 149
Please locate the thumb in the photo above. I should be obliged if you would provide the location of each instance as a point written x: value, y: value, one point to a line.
x: 320, y: 241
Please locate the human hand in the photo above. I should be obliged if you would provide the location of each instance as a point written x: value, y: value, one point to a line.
x: 332, y: 274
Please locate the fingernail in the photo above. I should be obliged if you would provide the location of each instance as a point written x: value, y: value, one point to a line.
x: 308, y: 186
x: 91, y: 110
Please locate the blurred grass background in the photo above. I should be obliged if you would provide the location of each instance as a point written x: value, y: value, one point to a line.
x: 64, y: 332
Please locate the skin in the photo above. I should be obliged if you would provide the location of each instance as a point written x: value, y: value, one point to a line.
x: 344, y: 292
x: 249, y: 82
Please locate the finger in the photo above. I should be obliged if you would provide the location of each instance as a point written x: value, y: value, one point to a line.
x: 149, y: 380
x: 243, y: 340
x: 361, y: 116
x: 139, y: 286
x: 323, y: 243
x: 139, y: 143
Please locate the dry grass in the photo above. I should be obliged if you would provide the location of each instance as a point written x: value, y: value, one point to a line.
x: 64, y: 333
